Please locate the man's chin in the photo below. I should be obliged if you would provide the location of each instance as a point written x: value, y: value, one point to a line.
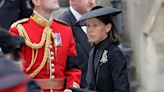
x: 57, y: 7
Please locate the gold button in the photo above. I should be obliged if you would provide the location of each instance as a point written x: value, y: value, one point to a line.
x: 52, y: 76
x: 52, y: 65
x: 52, y: 58
x: 52, y: 53
x: 53, y: 70
x: 50, y: 46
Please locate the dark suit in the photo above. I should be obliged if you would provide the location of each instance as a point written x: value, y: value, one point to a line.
x: 110, y: 76
x: 82, y: 45
x: 12, y: 10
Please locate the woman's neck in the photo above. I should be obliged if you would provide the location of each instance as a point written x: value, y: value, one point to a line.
x: 102, y: 39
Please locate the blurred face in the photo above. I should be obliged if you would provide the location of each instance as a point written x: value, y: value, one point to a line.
x: 97, y: 30
x: 83, y: 6
x: 48, y: 5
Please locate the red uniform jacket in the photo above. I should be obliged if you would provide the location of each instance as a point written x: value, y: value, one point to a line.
x: 61, y: 62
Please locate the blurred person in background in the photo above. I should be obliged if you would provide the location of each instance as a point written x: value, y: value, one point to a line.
x: 49, y: 52
x: 11, y: 46
x: 12, y: 79
x: 76, y: 10
x: 13, y: 10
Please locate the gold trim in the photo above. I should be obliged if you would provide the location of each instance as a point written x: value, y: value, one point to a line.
x: 28, y: 42
x: 45, y: 57
x: 46, y: 38
x: 34, y: 56
x: 39, y: 19
x: 19, y: 21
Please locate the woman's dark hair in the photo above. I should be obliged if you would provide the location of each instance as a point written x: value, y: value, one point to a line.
x: 113, y: 35
x: 31, y: 3
x: 11, y: 44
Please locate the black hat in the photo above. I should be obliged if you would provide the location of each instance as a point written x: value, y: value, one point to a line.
x: 10, y: 74
x: 9, y: 43
x: 97, y: 12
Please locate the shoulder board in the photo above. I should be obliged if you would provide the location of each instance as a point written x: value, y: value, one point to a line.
x: 19, y: 22
x: 61, y: 21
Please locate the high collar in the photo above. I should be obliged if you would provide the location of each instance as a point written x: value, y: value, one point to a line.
x: 39, y: 19
x: 102, y: 43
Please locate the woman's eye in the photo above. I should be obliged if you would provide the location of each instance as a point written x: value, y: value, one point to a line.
x: 91, y: 25
x: 95, y: 25
x: 87, y: 25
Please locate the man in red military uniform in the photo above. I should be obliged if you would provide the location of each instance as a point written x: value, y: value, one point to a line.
x: 49, y: 54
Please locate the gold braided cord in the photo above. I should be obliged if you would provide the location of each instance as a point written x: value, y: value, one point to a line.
x: 34, y: 56
x: 23, y: 33
x: 20, y: 31
x: 28, y: 42
x: 32, y: 61
x: 53, y: 35
x: 46, y: 38
x: 45, y: 57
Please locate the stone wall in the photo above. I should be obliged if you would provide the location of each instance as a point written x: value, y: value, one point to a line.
x: 144, y: 23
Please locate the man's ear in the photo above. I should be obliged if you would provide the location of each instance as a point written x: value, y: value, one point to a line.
x: 72, y: 2
x: 36, y: 2
x: 108, y: 27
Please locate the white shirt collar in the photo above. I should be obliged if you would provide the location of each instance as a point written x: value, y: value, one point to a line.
x: 76, y: 14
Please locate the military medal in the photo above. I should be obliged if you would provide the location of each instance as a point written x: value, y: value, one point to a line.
x: 58, y: 41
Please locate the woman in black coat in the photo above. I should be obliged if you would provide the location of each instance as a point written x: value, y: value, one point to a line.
x: 107, y: 69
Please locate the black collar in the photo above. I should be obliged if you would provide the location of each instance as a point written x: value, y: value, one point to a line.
x: 102, y: 43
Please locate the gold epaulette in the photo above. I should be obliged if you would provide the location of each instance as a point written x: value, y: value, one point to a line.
x: 19, y: 22
x: 61, y: 22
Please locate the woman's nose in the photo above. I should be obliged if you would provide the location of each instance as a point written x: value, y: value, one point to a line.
x: 89, y: 30
x: 92, y: 2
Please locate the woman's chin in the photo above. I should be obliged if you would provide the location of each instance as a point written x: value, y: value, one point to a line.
x: 90, y: 41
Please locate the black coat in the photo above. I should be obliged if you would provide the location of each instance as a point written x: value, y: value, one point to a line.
x: 82, y: 45
x: 13, y: 10
x: 110, y: 76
